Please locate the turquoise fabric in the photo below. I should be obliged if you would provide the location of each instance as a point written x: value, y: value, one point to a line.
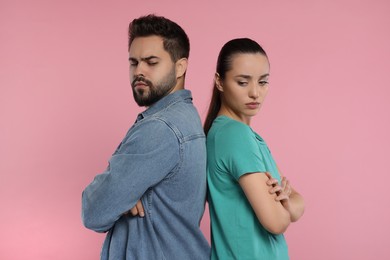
x: 234, y: 149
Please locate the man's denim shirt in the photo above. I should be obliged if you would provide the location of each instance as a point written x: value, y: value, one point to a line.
x: 162, y: 161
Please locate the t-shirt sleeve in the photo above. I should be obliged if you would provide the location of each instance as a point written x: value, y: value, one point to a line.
x: 237, y: 150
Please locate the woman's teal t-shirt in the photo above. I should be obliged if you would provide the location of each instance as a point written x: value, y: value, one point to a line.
x: 234, y: 149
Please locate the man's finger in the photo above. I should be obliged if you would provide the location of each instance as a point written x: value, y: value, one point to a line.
x: 134, y: 211
x: 140, y: 209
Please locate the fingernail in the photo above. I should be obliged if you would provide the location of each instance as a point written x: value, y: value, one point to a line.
x: 142, y: 214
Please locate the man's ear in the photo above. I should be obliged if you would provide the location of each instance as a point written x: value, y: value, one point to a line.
x: 218, y: 82
x: 181, y: 67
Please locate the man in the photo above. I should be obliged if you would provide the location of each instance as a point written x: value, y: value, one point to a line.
x: 161, y: 161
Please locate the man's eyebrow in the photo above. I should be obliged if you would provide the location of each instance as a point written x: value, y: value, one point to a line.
x: 149, y: 58
x: 144, y: 59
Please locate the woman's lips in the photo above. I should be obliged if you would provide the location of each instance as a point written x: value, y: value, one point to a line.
x: 253, y: 105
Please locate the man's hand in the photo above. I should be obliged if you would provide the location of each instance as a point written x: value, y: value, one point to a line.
x: 138, y: 209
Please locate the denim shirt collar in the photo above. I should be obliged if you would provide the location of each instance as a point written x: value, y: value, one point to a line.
x: 165, y: 102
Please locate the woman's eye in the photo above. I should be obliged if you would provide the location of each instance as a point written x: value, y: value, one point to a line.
x: 242, y: 83
x: 263, y: 83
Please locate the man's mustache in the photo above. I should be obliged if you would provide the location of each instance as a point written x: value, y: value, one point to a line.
x: 141, y: 79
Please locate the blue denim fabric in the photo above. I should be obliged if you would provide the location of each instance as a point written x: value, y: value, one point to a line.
x: 162, y: 161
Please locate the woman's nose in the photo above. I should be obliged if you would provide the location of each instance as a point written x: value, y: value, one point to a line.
x: 254, y: 92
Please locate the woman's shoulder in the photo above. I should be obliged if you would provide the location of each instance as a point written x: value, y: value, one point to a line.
x: 225, y: 126
x: 230, y: 132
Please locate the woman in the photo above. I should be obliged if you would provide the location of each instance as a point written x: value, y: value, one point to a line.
x: 251, y: 205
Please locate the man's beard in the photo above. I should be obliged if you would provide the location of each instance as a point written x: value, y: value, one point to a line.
x: 153, y: 93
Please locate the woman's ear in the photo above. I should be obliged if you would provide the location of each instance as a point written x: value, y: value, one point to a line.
x: 218, y: 82
x: 181, y: 67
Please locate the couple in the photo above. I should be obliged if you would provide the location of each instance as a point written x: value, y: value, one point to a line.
x: 151, y: 197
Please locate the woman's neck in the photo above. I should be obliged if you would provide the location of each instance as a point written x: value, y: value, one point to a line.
x: 224, y: 111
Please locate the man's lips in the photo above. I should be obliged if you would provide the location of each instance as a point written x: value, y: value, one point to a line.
x: 140, y: 84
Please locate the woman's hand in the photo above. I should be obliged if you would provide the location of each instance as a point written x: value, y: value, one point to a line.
x: 291, y: 200
x: 282, y: 191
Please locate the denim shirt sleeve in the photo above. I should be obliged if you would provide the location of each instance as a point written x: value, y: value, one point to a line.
x: 147, y: 155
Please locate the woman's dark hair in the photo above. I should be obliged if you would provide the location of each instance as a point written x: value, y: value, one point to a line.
x: 225, y: 57
x: 175, y: 40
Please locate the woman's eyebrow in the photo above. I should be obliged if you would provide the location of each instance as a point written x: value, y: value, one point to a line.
x: 249, y: 77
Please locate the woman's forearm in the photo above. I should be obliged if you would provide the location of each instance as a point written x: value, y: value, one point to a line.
x: 295, y: 206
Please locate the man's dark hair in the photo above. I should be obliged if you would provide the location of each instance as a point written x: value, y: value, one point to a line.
x: 175, y: 40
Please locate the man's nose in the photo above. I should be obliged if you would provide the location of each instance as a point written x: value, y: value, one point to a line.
x: 139, y: 70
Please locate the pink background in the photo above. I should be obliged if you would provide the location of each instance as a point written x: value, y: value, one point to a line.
x: 65, y: 104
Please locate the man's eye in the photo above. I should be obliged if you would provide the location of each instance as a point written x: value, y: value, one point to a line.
x: 152, y: 63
